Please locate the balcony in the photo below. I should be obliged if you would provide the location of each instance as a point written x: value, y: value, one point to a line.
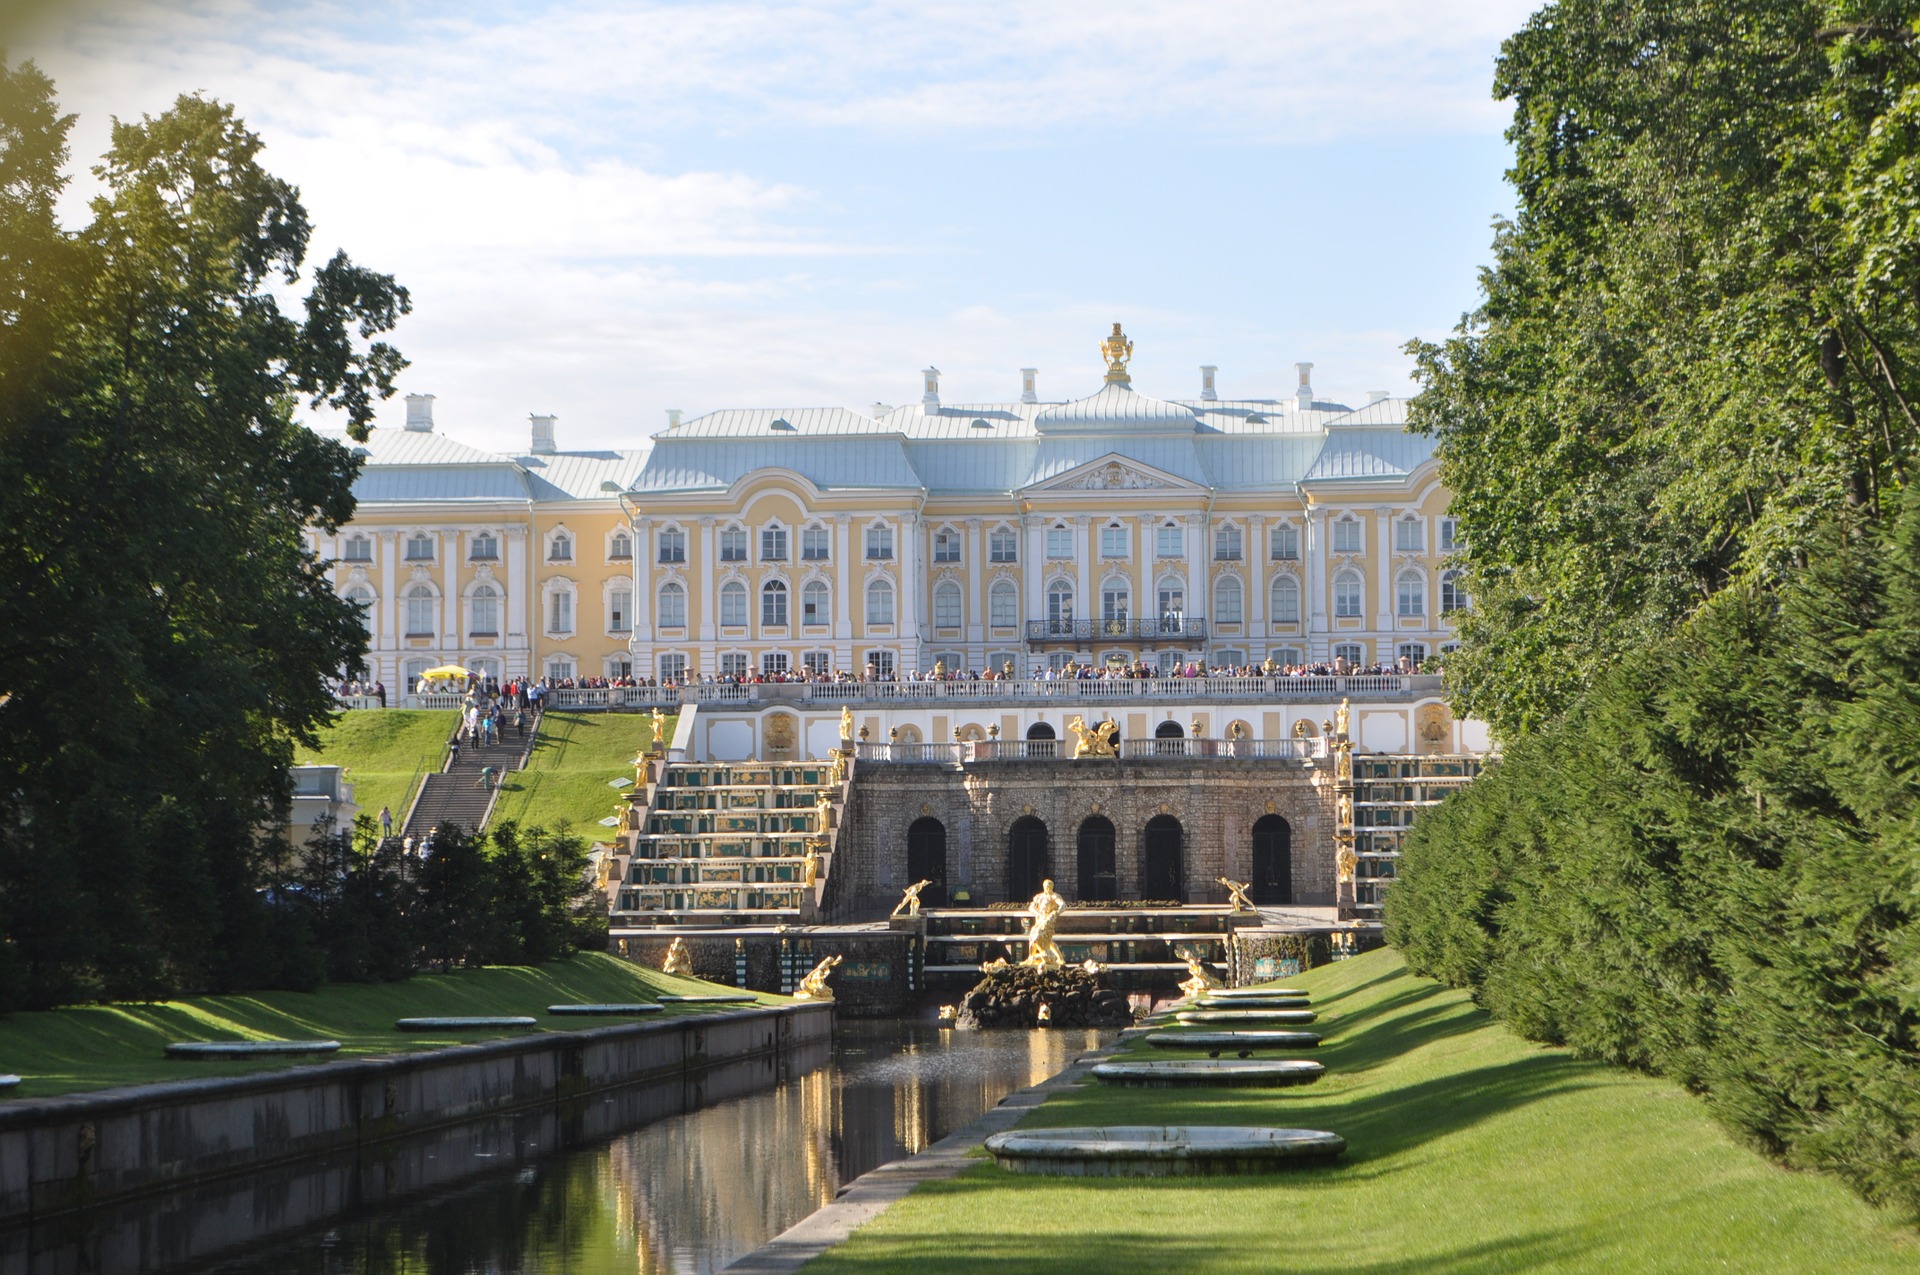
x: 1179, y: 630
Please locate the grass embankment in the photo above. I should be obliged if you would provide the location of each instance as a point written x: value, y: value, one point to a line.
x: 386, y: 751
x: 566, y: 780
x: 1468, y: 1150
x: 99, y: 1046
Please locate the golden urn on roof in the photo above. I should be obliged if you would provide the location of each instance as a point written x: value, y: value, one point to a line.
x: 1116, y: 350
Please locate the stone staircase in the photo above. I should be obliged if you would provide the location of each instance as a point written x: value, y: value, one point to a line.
x: 454, y: 798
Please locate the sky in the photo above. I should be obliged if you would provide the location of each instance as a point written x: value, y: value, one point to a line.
x: 606, y: 210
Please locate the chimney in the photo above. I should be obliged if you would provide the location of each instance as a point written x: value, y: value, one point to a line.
x: 420, y: 413
x: 543, y: 434
x: 1375, y: 396
x: 673, y: 417
x: 930, y: 401
x: 1028, y: 394
x: 1305, y: 394
x: 881, y: 409
x: 1206, y: 382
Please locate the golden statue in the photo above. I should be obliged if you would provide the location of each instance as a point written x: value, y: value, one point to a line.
x: 1236, y: 732
x: 1006, y: 670
x: 1096, y: 740
x: 910, y: 902
x: 1343, y: 763
x: 1340, y: 718
x: 814, y: 986
x: 846, y: 726
x: 940, y: 670
x: 1345, y: 817
x: 994, y: 966
x: 1344, y: 862
x: 823, y: 807
x: 1043, y: 1015
x: 947, y: 1014
x: 1237, y: 894
x: 1042, y: 952
x: 1200, y: 979
x: 810, y: 867
x: 1116, y: 350
x: 678, y: 961
x: 659, y: 730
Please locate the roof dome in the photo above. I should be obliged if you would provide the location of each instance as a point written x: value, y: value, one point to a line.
x: 1116, y: 407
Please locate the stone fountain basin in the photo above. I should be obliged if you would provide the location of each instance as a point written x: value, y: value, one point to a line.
x: 1250, y: 993
x: 1247, y: 1017
x: 721, y: 998
x: 609, y: 1009
x: 1234, y: 1040
x: 1253, y: 1002
x: 1230, y: 1073
x: 249, y: 1048
x: 1158, y: 1151
x: 474, y: 1023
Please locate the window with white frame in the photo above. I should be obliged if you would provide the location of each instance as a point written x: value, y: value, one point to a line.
x: 484, y: 547
x: 1346, y: 595
x: 673, y: 545
x: 1346, y: 534
x: 1003, y: 605
x: 673, y: 605
x: 1229, y: 658
x: 560, y: 611
x: 361, y: 596
x: 420, y: 611
x: 419, y: 547
x: 1003, y: 545
x: 1113, y: 541
x: 560, y: 667
x: 946, y: 545
x: 1169, y: 540
x: 1289, y: 656
x: 816, y: 603
x: 1228, y: 601
x: 947, y: 606
x: 733, y: 544
x: 619, y: 664
x: 1410, y: 595
x: 773, y: 663
x: 1057, y: 661
x: 733, y: 604
x: 1283, y: 542
x: 813, y: 544
x: 358, y: 549
x: 620, y: 609
x: 880, y: 602
x: 1453, y: 593
x: 1352, y: 652
x: 619, y: 547
x: 773, y: 543
x: 735, y: 664
x: 1450, y: 541
x: 1059, y: 541
x: 560, y: 547
x: 1060, y: 606
x: 1408, y: 535
x: 673, y: 667
x: 1228, y: 543
x: 483, y: 618
x: 773, y: 604
x: 817, y: 663
x: 1286, y: 600
x: 999, y: 660
x: 1168, y: 662
x: 879, y: 542
x: 1414, y: 653
x: 952, y: 661
x: 1172, y: 597
x: 880, y: 663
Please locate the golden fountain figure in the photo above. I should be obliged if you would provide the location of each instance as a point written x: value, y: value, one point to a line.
x: 1341, y: 716
x: 1237, y: 894
x: 846, y: 726
x: 1200, y: 979
x: 823, y: 807
x: 910, y: 901
x: 1042, y: 952
x: 814, y: 986
x: 678, y: 961
x: 810, y: 866
x: 659, y: 730
x: 1093, y: 741
x: 1116, y: 350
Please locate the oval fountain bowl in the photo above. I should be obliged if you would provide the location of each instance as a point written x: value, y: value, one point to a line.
x: 1227, y: 1073
x: 1235, y: 1040
x: 1253, y: 1002
x: 722, y: 998
x: 1245, y: 993
x: 1159, y: 1151
x: 1245, y: 1017
x: 608, y: 1010
x: 205, y: 1049
x: 461, y: 1024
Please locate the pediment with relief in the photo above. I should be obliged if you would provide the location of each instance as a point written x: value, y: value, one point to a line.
x: 1114, y: 473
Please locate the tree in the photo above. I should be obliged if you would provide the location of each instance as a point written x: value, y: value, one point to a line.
x: 165, y: 632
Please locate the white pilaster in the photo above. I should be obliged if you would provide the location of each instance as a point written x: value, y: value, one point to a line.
x: 642, y: 586
x: 389, y: 637
x: 1316, y: 555
x: 1382, y: 559
x: 1257, y: 627
x: 706, y: 566
x: 1033, y: 566
x: 450, y: 635
x: 846, y: 570
x: 976, y: 565
x: 1199, y: 553
x: 1086, y: 606
x: 912, y: 584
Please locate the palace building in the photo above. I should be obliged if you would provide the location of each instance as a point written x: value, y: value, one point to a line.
x: 1110, y: 527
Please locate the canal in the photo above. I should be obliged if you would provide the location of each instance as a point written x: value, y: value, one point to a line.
x: 705, y: 1179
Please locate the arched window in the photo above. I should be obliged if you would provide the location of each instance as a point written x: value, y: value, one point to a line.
x: 1346, y: 534
x: 733, y: 544
x: 1116, y: 604
x: 673, y: 545
x: 361, y: 596
x: 773, y: 604
x: 1003, y: 545
x: 1346, y: 595
x: 620, y: 546
x: 1098, y: 879
x: 1228, y: 602
x: 485, y: 547
x: 1283, y: 542
x: 1453, y: 593
x: 773, y: 543
x: 947, y: 608
x: 927, y: 859
x: 1286, y: 600
x: 484, y: 619
x: 673, y: 606
x: 1410, y: 594
x: 1408, y: 534
x: 419, y: 611
x: 359, y: 549
x: 879, y: 542
x: 880, y: 602
x: 1060, y: 607
x: 1028, y: 862
x: 560, y: 548
x: 419, y: 547
x: 1227, y: 542
x: 814, y: 542
x: 1003, y: 605
x: 1272, y: 860
x: 816, y: 603
x: 733, y: 604
x: 946, y: 545
x: 1163, y: 860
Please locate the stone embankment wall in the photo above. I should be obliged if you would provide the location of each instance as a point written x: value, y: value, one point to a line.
x: 876, y: 977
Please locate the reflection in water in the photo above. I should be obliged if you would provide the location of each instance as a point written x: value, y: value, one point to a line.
x: 689, y: 1193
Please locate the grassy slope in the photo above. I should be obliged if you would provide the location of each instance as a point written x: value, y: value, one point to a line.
x: 566, y: 777
x: 1468, y: 1150
x: 385, y: 751
x: 98, y: 1046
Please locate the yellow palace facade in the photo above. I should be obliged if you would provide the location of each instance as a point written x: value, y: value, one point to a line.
x: 1115, y: 526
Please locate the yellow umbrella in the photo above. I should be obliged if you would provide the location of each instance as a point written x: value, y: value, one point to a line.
x: 445, y: 670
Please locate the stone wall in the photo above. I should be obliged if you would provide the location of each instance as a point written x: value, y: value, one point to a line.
x: 874, y: 978
x: 1215, y: 800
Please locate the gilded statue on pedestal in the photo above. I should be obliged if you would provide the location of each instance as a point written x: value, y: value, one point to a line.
x: 810, y: 866
x: 659, y: 730
x: 678, y: 961
x: 1117, y: 350
x: 910, y: 901
x: 846, y: 726
x: 1045, y: 909
x: 823, y: 807
x: 814, y: 986
x: 1344, y: 862
x: 1093, y: 741
x: 1237, y: 894
x: 1341, y: 715
x: 1199, y: 978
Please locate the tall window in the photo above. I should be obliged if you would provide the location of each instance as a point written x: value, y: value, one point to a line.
x: 773, y: 543
x: 484, y: 548
x: 1113, y: 541
x: 1415, y: 653
x: 486, y: 611
x: 560, y: 548
x: 733, y: 604
x: 773, y: 605
x: 1407, y: 536
x: 359, y: 549
x: 620, y: 665
x: 816, y: 603
x: 620, y: 547
x: 1059, y: 606
x: 1227, y: 544
x: 813, y: 544
x: 673, y: 545
x: 1410, y: 595
x: 1004, y: 545
x: 1286, y: 600
x: 673, y: 667
x: 735, y: 664
x: 419, y: 547
x: 1172, y: 597
x: 620, y: 610
x: 946, y: 545
x: 1059, y: 542
x: 1283, y: 543
x: 773, y: 663
x: 1450, y: 535
x: 946, y: 606
x: 818, y: 663
x: 673, y: 606
x: 1116, y: 600
x: 880, y: 603
x: 419, y: 611
x: 879, y: 542
x: 560, y: 668
x: 733, y: 544
x: 1346, y: 595
x: 1003, y: 605
x: 1169, y: 541
x: 1453, y: 593
x: 880, y: 663
x: 1352, y: 652
x: 1228, y: 601
x: 1346, y: 535
x: 361, y: 596
x: 560, y: 612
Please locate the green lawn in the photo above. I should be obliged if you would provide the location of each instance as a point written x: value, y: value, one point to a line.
x: 386, y: 752
x: 1468, y: 1150
x: 566, y: 779
x: 99, y: 1046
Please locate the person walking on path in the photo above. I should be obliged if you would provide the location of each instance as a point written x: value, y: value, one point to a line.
x: 386, y: 823
x: 453, y: 754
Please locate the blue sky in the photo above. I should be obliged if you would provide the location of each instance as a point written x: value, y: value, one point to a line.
x: 608, y: 210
